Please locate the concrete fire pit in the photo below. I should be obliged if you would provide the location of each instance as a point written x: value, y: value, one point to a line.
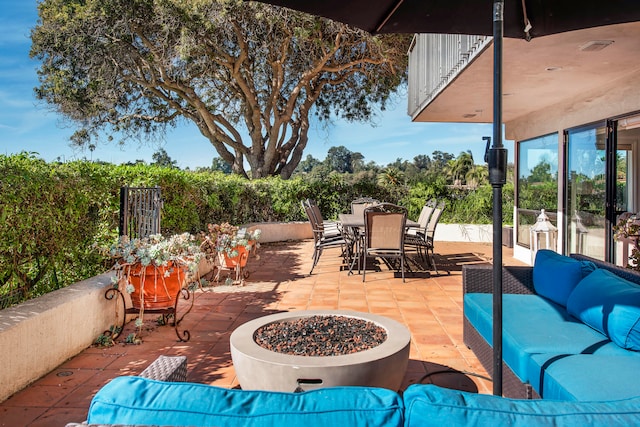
x: 260, y: 369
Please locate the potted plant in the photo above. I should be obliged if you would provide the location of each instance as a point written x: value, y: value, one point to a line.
x: 155, y: 269
x: 627, y: 230
x: 229, y: 245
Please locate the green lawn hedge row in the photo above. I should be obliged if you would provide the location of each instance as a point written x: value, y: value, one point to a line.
x: 53, y: 215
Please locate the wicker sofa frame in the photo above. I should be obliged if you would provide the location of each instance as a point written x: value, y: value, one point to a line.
x: 515, y: 280
x: 164, y: 368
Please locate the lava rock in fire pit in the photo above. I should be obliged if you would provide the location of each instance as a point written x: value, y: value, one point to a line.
x: 320, y: 336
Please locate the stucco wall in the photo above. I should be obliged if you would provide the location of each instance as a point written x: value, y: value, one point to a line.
x: 618, y: 98
x: 38, y: 335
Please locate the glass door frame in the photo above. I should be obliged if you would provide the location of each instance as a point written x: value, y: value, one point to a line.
x: 610, y: 149
x: 611, y: 153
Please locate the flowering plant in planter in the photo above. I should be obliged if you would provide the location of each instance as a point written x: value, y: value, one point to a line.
x: 227, y: 239
x: 228, y: 245
x: 154, y: 269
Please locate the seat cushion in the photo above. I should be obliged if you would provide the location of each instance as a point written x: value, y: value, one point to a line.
x: 136, y: 400
x: 429, y: 405
x: 586, y: 377
x: 555, y: 276
x: 610, y: 305
x: 531, y: 325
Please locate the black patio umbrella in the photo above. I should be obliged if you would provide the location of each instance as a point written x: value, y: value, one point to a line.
x: 497, y: 18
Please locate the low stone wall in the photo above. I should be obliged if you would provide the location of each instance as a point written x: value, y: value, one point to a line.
x: 279, y: 231
x: 464, y: 233
x: 39, y: 335
x: 282, y: 231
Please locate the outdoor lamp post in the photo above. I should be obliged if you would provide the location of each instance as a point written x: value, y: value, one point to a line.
x: 543, y: 235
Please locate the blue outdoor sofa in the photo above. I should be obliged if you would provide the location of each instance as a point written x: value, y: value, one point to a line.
x: 142, y: 401
x: 571, y: 327
x: 169, y: 401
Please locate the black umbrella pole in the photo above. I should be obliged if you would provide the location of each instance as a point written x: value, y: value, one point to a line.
x: 497, y: 178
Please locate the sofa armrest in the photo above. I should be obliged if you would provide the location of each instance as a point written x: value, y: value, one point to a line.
x: 164, y: 368
x: 515, y: 280
x: 167, y: 368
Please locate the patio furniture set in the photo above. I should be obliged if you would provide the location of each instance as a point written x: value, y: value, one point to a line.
x: 376, y: 230
x: 571, y: 327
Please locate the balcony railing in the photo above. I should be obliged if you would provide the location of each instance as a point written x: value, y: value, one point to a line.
x: 435, y: 60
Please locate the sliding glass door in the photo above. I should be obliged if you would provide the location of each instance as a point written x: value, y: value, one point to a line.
x: 586, y: 191
x: 600, y: 185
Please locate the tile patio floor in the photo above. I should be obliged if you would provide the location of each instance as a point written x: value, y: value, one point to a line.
x: 279, y: 281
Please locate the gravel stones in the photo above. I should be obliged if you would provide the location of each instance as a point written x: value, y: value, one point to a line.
x: 320, y: 336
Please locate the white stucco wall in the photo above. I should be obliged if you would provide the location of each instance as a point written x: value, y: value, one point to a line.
x: 39, y: 335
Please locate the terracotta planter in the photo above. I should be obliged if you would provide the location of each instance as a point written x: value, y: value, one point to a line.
x: 238, y: 260
x: 160, y: 289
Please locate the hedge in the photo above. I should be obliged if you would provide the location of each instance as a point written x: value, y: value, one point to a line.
x: 54, y: 215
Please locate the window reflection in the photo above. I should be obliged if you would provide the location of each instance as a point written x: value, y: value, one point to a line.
x: 537, y: 183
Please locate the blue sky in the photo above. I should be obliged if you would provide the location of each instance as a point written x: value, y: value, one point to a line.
x: 28, y: 125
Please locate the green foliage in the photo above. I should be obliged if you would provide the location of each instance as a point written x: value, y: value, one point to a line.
x: 46, y: 210
x: 53, y: 215
x: 135, y: 68
x: 106, y: 339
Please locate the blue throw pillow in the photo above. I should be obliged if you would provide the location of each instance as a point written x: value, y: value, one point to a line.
x: 141, y: 401
x: 609, y: 304
x: 429, y: 405
x: 555, y: 275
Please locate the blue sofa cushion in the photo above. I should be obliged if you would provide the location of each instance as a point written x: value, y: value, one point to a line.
x: 609, y: 304
x: 555, y: 275
x: 428, y: 405
x: 135, y: 400
x: 586, y: 377
x: 531, y: 324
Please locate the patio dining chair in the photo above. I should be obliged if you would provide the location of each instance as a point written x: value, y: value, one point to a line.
x: 360, y: 204
x: 423, y: 219
x: 331, y: 228
x: 384, y: 228
x: 324, y: 236
x: 422, y: 239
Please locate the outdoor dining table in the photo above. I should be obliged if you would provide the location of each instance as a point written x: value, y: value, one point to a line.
x: 353, y: 228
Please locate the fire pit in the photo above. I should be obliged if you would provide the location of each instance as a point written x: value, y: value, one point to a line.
x: 377, y: 356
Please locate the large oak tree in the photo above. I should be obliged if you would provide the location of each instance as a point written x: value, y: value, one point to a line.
x: 133, y: 67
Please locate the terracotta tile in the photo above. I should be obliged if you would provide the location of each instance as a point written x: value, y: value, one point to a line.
x: 67, y: 377
x: 430, y: 307
x: 12, y: 416
x: 60, y: 417
x: 42, y: 396
x: 90, y: 360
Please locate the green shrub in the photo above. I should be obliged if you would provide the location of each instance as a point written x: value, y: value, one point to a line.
x: 53, y: 215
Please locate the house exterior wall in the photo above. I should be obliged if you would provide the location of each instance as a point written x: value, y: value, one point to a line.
x: 594, y: 87
x: 618, y: 98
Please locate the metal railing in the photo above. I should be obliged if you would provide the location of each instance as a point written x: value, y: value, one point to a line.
x: 435, y: 60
